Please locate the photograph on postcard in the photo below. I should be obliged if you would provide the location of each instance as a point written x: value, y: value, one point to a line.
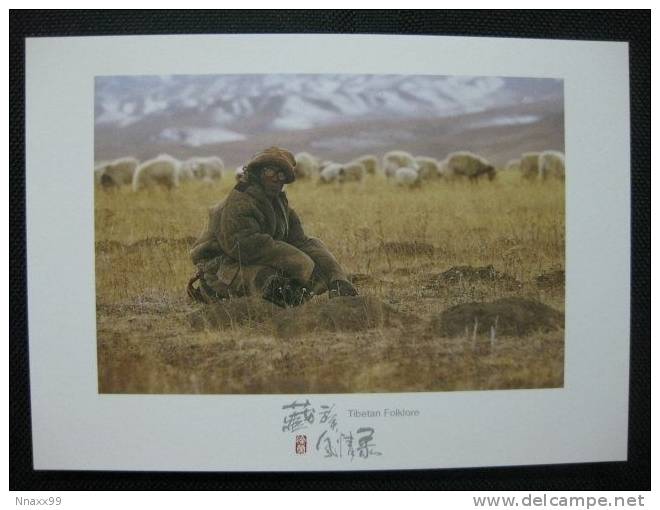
x: 328, y: 233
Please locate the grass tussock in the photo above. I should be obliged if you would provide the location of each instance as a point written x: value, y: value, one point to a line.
x: 412, y: 253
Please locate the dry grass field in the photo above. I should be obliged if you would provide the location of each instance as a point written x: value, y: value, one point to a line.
x: 412, y: 253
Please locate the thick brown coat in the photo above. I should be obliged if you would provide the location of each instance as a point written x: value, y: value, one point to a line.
x: 251, y: 229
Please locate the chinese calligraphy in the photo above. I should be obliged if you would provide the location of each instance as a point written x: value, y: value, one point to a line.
x: 301, y: 416
x: 331, y: 442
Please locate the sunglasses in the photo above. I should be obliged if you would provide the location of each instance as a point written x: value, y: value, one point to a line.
x: 276, y: 175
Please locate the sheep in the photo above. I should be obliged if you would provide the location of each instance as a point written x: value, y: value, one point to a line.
x: 428, y: 168
x: 307, y: 166
x: 340, y: 173
x: 99, y: 168
x: 397, y: 159
x: 352, y: 171
x: 529, y: 165
x: 405, y: 176
x: 467, y: 164
x: 331, y: 173
x: 162, y: 170
x: 325, y: 164
x: 205, y: 168
x: 116, y: 173
x: 370, y: 163
x: 551, y: 164
x: 185, y: 172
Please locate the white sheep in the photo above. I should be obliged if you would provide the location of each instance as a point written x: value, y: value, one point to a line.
x: 163, y: 170
x: 331, y: 172
x: 529, y: 165
x: 370, y: 163
x: 405, y: 176
x: 466, y: 164
x: 397, y: 159
x: 552, y: 164
x: 428, y: 168
x: 307, y: 166
x: 325, y: 164
x: 99, y: 168
x: 352, y: 172
x: 116, y: 173
x: 205, y: 168
x: 185, y: 172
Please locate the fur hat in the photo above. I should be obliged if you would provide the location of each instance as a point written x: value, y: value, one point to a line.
x: 281, y: 159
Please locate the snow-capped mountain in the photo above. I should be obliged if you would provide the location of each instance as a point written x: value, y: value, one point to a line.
x: 238, y: 105
x: 204, y: 111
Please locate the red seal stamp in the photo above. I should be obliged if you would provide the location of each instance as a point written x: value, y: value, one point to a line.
x: 301, y: 444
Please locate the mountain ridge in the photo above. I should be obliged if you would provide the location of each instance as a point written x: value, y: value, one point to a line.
x: 145, y: 115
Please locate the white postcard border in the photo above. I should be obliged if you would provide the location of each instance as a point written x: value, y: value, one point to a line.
x: 76, y: 428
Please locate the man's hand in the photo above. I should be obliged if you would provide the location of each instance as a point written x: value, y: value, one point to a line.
x: 285, y: 293
x: 342, y: 288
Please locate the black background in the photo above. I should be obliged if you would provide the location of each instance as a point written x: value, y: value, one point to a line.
x: 631, y: 26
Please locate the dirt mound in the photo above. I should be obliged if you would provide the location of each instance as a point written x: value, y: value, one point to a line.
x: 351, y: 313
x: 551, y: 280
x: 468, y: 274
x: 508, y: 316
x: 397, y: 248
x: 354, y: 313
x: 232, y: 313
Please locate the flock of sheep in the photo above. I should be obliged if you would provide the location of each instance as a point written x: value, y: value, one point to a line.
x: 401, y: 167
x: 163, y: 170
x: 407, y: 170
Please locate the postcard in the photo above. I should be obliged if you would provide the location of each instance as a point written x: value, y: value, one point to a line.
x: 327, y: 252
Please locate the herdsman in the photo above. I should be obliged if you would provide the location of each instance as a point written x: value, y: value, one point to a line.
x: 254, y: 243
